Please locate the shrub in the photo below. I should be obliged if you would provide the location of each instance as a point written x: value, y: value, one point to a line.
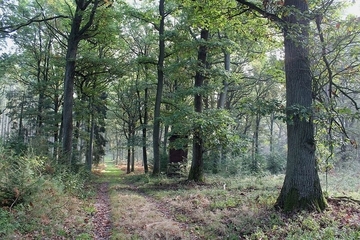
x: 19, y: 177
x: 7, y: 224
x: 72, y: 183
x: 276, y: 163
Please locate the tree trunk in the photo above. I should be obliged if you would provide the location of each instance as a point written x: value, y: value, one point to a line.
x: 144, y: 132
x: 132, y: 158
x: 159, y: 90
x: 221, y: 105
x: 255, y: 148
x: 271, y: 139
x: 165, y: 143
x: 223, y: 93
x: 76, y: 34
x: 73, y: 42
x: 118, y: 145
x: 301, y: 188
x: 128, y: 170
x: 89, y: 157
x: 197, y: 165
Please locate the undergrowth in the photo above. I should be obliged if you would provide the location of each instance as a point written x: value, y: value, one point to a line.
x: 240, y: 207
x: 42, y: 200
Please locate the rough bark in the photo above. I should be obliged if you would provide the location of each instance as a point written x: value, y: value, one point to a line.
x: 159, y: 90
x: 196, y: 172
x: 73, y: 43
x: 301, y: 188
x: 77, y: 33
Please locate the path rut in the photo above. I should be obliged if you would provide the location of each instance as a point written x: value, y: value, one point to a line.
x: 101, y: 220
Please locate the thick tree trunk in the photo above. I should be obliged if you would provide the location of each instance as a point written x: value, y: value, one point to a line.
x: 197, y: 165
x: 301, y: 188
x: 73, y: 42
x: 77, y: 33
x: 159, y: 90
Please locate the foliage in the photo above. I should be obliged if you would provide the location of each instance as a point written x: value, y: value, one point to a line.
x: 36, y: 196
x: 7, y: 223
x: 275, y: 163
x: 20, y: 177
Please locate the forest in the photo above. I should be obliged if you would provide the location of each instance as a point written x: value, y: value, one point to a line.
x: 179, y: 119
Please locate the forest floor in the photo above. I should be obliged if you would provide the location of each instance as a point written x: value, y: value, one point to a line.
x: 114, y: 205
x: 135, y: 214
x: 137, y: 206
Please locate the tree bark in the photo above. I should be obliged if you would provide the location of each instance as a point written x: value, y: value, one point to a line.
x: 73, y: 43
x: 196, y: 172
x: 144, y: 131
x: 159, y: 90
x: 301, y: 188
x: 223, y: 93
x: 77, y: 33
x: 255, y: 145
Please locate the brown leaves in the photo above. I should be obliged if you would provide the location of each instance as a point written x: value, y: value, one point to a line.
x: 101, y: 219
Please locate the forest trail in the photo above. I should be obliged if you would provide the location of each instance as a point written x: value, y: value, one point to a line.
x: 123, y: 211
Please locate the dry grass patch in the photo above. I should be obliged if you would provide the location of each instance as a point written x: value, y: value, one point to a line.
x: 236, y: 207
x: 51, y: 214
x: 135, y: 216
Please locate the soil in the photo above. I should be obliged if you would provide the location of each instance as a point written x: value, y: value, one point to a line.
x: 101, y: 220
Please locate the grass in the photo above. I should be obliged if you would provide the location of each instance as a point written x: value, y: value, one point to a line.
x: 50, y: 213
x: 145, y: 207
x: 230, y: 208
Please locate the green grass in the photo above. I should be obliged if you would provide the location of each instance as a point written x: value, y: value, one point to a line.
x: 109, y: 173
x: 236, y: 207
x: 241, y: 207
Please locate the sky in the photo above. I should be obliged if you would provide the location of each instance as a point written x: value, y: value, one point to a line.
x: 354, y: 9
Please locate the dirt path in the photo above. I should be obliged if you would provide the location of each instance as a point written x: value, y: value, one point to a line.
x: 154, y: 217
x: 125, y: 212
x: 101, y: 220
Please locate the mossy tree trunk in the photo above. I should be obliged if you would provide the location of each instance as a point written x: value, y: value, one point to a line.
x: 301, y: 188
x: 197, y: 165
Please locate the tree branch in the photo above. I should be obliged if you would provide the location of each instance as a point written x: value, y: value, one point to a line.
x: 264, y: 13
x: 10, y: 29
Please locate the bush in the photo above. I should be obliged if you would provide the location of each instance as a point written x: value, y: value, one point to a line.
x: 276, y: 164
x: 19, y: 177
x: 7, y: 224
x: 72, y: 183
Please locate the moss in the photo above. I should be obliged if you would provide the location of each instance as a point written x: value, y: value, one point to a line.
x: 293, y: 202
